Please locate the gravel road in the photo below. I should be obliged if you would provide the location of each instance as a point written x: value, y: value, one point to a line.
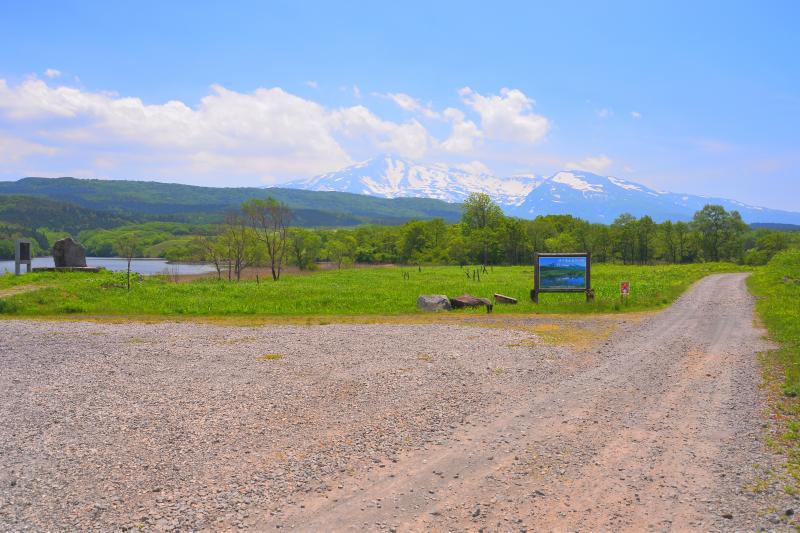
x: 397, y: 427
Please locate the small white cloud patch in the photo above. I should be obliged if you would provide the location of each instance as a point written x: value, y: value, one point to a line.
x: 508, y: 116
x: 597, y: 163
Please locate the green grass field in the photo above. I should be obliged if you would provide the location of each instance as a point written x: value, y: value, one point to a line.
x: 777, y: 287
x: 365, y: 291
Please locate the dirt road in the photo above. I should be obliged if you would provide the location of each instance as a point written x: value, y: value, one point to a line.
x: 660, y: 432
x: 389, y: 427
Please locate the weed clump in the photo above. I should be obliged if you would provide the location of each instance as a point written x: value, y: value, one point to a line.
x: 269, y: 357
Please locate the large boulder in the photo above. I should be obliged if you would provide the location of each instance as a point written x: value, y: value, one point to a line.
x: 69, y: 254
x: 433, y: 302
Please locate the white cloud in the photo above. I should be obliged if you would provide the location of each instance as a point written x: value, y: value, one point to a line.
x: 465, y: 133
x: 356, y: 91
x: 266, y: 132
x: 507, y: 117
x: 13, y: 150
x: 604, y: 112
x: 313, y: 84
x: 475, y: 167
x: 52, y: 73
x: 597, y: 163
x: 412, y: 105
x: 409, y: 103
x: 409, y: 139
x: 231, y: 137
x: 636, y: 114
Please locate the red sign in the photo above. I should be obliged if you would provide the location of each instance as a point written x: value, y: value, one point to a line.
x: 625, y: 288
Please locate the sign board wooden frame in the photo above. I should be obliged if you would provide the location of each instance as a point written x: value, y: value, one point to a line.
x: 585, y: 288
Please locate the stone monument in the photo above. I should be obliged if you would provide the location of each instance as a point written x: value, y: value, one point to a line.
x: 22, y: 255
x: 67, y: 253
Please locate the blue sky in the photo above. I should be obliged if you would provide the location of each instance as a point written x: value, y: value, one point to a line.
x: 698, y: 97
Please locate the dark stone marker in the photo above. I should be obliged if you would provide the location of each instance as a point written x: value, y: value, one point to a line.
x: 68, y: 254
x: 501, y: 299
x: 467, y: 300
x: 433, y: 302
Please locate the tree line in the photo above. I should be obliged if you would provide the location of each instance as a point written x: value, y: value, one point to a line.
x: 259, y: 234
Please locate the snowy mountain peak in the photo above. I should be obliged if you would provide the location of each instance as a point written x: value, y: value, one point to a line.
x: 388, y: 176
x: 574, y: 192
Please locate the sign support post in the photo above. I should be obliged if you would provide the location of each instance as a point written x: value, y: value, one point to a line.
x: 535, y: 291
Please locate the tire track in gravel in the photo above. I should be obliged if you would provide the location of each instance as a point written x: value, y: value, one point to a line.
x: 661, y: 433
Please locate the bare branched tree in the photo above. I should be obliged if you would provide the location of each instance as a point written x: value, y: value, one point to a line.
x: 236, y: 237
x: 269, y: 219
x: 128, y: 247
x: 213, y: 251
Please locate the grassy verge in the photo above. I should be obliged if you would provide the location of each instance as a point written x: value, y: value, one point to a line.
x: 777, y: 287
x: 371, y: 291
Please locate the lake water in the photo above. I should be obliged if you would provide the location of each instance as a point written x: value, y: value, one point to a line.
x: 145, y: 267
x: 565, y: 281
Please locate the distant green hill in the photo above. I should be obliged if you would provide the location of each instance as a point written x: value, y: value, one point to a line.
x: 775, y: 226
x: 169, y: 201
x: 34, y: 212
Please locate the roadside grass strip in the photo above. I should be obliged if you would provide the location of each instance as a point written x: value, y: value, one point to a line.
x: 351, y: 292
x: 777, y: 287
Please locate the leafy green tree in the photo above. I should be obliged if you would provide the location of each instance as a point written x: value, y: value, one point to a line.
x: 719, y: 232
x: 6, y: 249
x: 645, y: 228
x: 601, y: 244
x: 624, y: 232
x: 480, y: 220
x: 682, y: 242
x: 773, y: 242
x: 414, y: 242
x: 539, y: 230
x: 668, y: 240
x: 341, y: 248
x: 305, y: 246
x: 563, y: 242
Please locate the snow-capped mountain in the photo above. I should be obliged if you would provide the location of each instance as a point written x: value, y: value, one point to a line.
x: 579, y: 193
x: 392, y: 177
x: 603, y: 198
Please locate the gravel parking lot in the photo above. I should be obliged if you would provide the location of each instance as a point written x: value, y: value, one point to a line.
x: 398, y: 427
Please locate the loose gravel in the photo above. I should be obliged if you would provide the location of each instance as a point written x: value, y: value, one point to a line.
x: 182, y: 426
x: 179, y: 426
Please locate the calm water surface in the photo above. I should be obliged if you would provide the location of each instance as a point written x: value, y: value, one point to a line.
x: 146, y: 267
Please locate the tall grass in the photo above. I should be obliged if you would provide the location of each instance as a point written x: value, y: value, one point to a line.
x: 368, y: 291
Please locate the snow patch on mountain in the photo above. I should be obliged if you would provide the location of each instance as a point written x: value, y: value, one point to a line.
x: 624, y: 184
x: 575, y: 182
x: 392, y: 177
x: 574, y: 192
